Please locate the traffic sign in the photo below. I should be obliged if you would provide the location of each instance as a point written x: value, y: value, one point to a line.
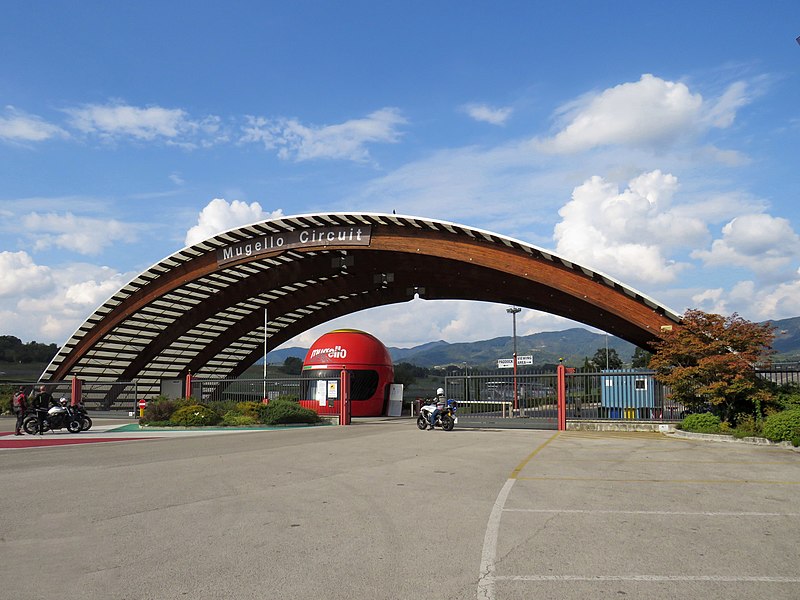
x: 142, y: 403
x: 525, y: 360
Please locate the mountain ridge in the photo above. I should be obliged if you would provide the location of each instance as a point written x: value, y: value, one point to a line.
x: 574, y: 345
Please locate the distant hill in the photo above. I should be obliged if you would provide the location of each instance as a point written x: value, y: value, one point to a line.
x: 573, y: 345
x: 787, y: 338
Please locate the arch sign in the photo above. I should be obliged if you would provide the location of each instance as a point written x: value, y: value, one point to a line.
x: 208, y: 308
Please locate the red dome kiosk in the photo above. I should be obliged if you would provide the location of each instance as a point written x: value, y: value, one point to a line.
x: 367, y: 361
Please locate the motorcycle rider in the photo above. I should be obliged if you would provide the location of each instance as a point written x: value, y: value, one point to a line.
x: 19, y: 406
x: 440, y: 404
x: 41, y: 403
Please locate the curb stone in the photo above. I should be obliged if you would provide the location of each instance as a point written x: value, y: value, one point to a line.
x: 713, y: 437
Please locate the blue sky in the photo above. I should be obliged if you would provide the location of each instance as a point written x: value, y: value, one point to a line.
x: 656, y: 142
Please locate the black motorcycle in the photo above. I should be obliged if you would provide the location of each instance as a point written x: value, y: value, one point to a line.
x: 86, y: 420
x: 57, y: 417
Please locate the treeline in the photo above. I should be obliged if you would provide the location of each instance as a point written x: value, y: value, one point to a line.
x: 13, y: 350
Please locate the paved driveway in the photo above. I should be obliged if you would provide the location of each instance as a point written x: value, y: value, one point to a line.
x: 382, y: 510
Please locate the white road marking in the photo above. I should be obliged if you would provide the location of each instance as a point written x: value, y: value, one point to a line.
x: 487, y: 577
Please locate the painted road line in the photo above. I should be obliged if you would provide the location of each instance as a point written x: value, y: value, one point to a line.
x: 666, y: 513
x: 652, y: 578
x: 32, y: 441
x: 486, y: 574
x: 682, y: 481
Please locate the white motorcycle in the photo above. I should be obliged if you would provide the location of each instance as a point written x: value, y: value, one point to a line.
x: 446, y: 419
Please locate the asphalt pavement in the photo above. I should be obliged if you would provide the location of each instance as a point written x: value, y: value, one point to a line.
x: 380, y: 509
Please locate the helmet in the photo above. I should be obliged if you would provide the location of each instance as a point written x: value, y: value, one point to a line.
x: 63, y: 401
x: 440, y: 392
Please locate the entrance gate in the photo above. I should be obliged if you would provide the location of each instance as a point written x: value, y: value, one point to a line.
x: 528, y: 400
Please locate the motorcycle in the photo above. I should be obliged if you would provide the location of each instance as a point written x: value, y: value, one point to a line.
x: 57, y: 417
x: 446, y: 419
x: 86, y: 420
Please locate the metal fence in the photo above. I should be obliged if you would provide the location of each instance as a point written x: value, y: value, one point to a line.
x: 529, y: 398
x: 95, y: 395
x: 630, y: 395
x: 250, y: 390
x: 781, y: 374
x: 500, y: 395
x: 624, y: 395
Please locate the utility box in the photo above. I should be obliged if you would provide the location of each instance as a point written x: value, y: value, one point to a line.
x: 172, y: 388
x: 395, y: 408
x: 627, y: 394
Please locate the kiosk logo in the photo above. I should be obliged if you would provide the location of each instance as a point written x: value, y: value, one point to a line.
x: 337, y: 352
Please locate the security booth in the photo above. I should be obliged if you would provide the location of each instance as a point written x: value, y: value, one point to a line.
x: 366, y: 361
x: 627, y: 394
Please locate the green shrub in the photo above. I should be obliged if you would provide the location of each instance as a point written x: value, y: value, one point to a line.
x: 160, y: 409
x: 701, y: 423
x: 282, y: 412
x: 248, y: 409
x: 195, y: 415
x: 236, y: 419
x: 789, y: 397
x: 783, y: 426
x: 746, y: 426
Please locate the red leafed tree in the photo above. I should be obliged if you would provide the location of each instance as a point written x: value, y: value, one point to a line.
x: 711, y: 359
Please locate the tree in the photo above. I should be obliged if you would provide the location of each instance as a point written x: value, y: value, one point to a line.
x: 641, y: 358
x: 711, y: 359
x: 407, y: 374
x: 606, y: 358
x: 293, y: 365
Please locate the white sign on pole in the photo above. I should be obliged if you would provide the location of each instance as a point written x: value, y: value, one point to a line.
x: 508, y: 363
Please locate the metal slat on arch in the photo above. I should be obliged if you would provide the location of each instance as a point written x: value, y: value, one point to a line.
x: 202, y: 308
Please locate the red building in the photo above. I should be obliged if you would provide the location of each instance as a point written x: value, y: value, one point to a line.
x: 367, y: 361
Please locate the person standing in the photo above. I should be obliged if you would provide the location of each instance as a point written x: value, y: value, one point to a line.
x: 41, y: 403
x: 19, y: 406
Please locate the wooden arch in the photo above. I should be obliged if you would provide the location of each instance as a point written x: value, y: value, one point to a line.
x: 202, y: 309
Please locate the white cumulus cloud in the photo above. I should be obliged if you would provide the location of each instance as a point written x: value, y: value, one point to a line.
x: 22, y: 276
x: 219, y: 215
x: 47, y: 304
x: 762, y: 243
x: 650, y: 112
x: 627, y: 234
x: 346, y: 141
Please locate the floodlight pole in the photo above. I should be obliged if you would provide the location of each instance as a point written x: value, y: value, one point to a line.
x: 264, y: 387
x: 513, y: 312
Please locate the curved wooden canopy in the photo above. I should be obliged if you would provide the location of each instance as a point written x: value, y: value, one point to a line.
x: 201, y: 310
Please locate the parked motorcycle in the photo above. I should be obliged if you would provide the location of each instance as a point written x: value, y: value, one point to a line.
x: 86, y: 420
x: 57, y: 417
x: 446, y: 419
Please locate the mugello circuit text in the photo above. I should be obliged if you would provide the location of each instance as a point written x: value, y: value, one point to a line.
x: 328, y: 236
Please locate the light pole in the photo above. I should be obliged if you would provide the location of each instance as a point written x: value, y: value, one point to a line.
x: 513, y: 310
x: 264, y: 387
